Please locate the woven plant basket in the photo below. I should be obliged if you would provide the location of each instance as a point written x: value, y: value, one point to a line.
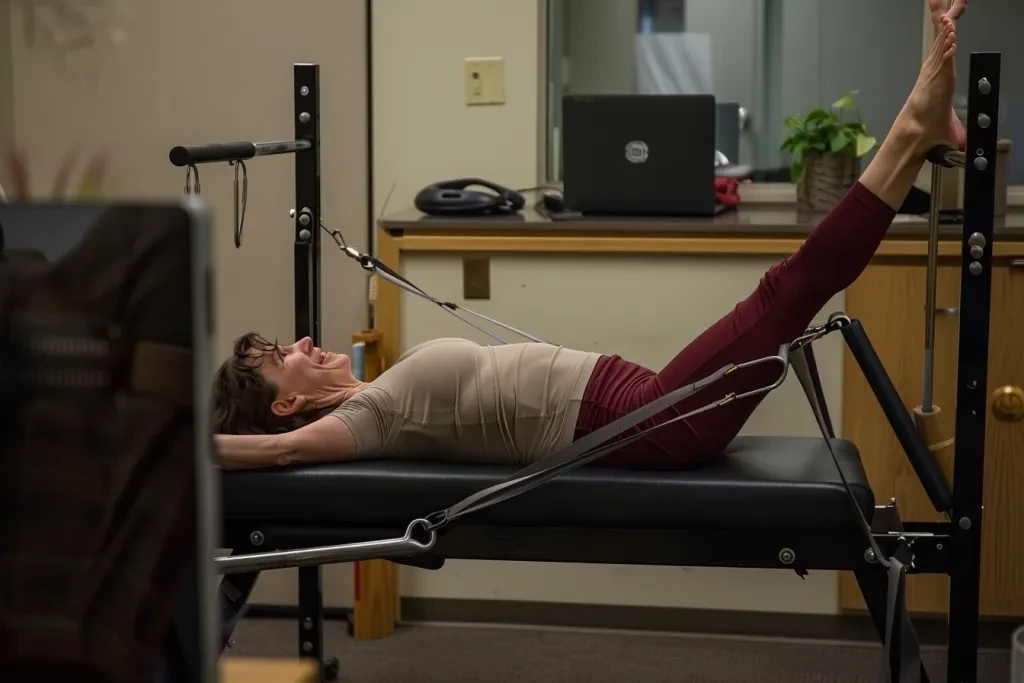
x: 825, y: 180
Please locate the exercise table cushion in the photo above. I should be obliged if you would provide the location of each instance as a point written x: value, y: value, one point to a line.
x: 768, y: 483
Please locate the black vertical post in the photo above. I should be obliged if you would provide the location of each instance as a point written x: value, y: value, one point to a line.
x: 307, y: 306
x: 972, y: 368
x: 307, y: 203
x: 311, y: 616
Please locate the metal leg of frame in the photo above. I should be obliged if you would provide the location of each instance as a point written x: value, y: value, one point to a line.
x: 311, y: 616
x: 972, y: 366
x: 307, y: 203
x: 234, y: 594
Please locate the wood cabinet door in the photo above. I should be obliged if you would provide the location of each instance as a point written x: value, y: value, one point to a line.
x: 889, y: 301
x: 1002, y: 533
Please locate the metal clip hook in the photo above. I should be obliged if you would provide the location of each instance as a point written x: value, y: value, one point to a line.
x: 189, y: 172
x: 240, y: 217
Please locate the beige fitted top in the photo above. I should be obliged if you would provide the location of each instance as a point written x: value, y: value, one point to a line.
x: 454, y: 399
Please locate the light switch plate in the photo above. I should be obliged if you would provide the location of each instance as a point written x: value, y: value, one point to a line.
x: 485, y: 80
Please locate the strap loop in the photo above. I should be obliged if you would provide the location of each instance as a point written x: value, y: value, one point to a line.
x: 599, y: 442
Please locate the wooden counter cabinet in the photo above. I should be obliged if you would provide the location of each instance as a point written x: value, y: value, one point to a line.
x: 888, y: 299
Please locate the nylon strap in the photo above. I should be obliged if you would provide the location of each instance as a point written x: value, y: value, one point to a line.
x: 381, y: 269
x: 595, y: 444
x: 585, y: 449
x: 901, y: 650
x: 802, y: 371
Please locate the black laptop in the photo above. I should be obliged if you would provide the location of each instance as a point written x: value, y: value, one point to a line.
x: 639, y: 155
x: 107, y: 504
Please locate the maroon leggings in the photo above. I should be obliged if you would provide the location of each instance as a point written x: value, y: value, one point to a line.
x: 784, y: 304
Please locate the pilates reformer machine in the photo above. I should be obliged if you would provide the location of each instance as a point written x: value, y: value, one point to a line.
x: 795, y: 504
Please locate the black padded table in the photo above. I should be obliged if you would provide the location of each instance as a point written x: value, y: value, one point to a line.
x: 758, y: 484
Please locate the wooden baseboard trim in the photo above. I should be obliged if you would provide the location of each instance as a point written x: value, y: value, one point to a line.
x: 258, y: 611
x: 847, y: 627
x: 993, y: 634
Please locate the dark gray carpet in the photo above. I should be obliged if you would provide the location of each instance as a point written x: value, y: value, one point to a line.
x: 485, y: 654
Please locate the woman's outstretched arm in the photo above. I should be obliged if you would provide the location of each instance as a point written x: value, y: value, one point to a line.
x: 326, y: 440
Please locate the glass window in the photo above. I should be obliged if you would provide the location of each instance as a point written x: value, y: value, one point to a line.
x: 764, y: 60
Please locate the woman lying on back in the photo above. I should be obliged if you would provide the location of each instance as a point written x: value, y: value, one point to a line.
x: 518, y: 403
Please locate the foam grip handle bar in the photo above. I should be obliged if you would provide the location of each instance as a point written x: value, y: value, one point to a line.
x: 947, y: 156
x: 936, y: 438
x: 184, y: 155
x: 924, y: 464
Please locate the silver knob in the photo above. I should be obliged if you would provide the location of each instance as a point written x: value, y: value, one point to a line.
x: 980, y: 163
x: 977, y: 252
x: 975, y: 268
x: 304, y: 117
x: 984, y: 120
x: 787, y: 556
x: 976, y: 240
x: 304, y: 219
x: 304, y: 235
x: 984, y: 87
x: 304, y: 90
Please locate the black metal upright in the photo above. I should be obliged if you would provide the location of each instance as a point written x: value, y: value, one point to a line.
x: 307, y: 307
x: 307, y: 203
x: 972, y: 368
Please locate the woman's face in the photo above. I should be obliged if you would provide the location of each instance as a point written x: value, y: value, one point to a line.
x: 305, y: 374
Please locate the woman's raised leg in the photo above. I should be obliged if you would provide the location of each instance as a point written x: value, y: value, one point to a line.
x: 794, y: 291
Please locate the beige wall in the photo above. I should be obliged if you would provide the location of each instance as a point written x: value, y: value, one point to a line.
x: 197, y: 71
x: 423, y: 131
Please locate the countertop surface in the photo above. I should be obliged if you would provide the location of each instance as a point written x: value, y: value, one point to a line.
x: 751, y: 222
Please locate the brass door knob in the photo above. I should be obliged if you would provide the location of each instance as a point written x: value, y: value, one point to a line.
x: 1008, y: 403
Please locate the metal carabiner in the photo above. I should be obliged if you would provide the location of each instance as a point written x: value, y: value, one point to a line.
x: 189, y: 172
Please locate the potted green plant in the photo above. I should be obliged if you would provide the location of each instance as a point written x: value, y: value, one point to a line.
x: 826, y: 149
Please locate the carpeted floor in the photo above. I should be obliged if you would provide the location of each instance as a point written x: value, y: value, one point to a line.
x: 485, y: 654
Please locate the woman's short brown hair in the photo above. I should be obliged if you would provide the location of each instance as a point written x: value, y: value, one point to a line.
x: 242, y: 396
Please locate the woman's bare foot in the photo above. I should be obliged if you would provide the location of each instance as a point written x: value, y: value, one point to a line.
x: 928, y: 115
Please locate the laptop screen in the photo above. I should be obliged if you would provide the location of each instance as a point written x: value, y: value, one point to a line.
x: 104, y: 455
